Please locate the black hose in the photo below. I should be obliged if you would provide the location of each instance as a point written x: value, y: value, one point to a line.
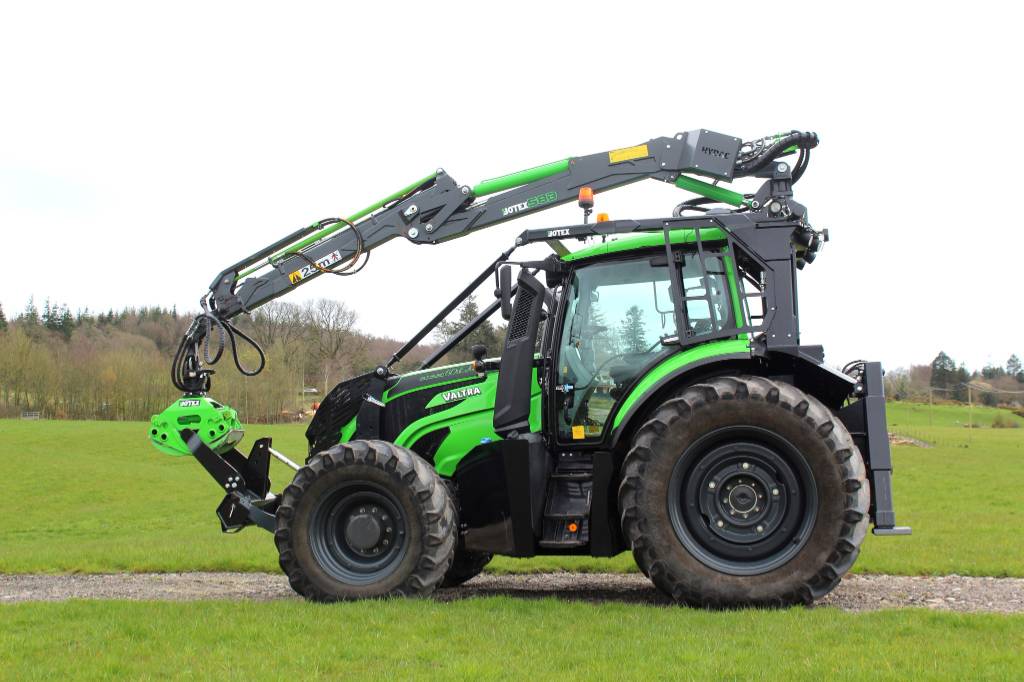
x: 801, y: 164
x: 346, y: 269
x: 187, y: 359
x: 801, y: 140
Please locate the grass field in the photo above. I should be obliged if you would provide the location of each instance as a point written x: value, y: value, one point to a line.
x: 95, y: 497
x: 497, y: 638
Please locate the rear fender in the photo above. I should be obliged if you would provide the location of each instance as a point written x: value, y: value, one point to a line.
x: 803, y: 368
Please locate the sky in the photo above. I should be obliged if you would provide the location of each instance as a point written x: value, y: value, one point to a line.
x: 145, y: 146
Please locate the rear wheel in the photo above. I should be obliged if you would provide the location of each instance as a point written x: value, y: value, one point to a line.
x: 365, y: 519
x: 742, y: 491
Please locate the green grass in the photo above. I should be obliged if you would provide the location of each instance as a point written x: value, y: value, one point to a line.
x: 497, y: 638
x: 95, y: 497
x: 905, y: 417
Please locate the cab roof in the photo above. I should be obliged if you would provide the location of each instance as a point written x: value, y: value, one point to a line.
x: 631, y: 242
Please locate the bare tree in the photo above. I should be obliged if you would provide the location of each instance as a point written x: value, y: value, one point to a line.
x: 331, y: 325
x: 278, y: 321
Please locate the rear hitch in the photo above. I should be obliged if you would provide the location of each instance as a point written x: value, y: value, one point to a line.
x: 245, y: 480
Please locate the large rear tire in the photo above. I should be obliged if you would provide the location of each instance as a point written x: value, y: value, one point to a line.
x: 365, y: 519
x: 744, y: 491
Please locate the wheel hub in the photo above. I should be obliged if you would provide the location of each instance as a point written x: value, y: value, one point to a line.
x: 357, y: 533
x: 742, y: 500
x: 364, y: 531
x: 743, y: 497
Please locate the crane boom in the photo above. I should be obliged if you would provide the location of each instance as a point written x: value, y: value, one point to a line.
x: 436, y: 209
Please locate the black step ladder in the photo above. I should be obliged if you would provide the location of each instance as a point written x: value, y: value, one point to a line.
x: 567, y: 510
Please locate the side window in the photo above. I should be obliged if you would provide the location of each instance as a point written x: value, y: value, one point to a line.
x: 708, y: 299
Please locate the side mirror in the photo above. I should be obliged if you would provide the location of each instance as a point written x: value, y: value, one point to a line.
x: 505, y: 291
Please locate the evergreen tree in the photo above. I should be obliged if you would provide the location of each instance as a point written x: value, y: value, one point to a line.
x: 486, y: 334
x: 943, y: 371
x: 960, y: 379
x: 632, y: 331
x: 991, y: 371
x: 1013, y: 368
x: 3, y: 319
x: 30, y: 317
x: 605, y: 344
x: 66, y: 322
x: 51, y: 319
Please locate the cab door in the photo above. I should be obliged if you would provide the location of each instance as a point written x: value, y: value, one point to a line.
x: 618, y: 320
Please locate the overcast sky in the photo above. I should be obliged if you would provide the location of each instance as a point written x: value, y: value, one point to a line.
x: 146, y: 146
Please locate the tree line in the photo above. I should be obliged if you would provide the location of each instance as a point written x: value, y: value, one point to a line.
x: 946, y: 379
x: 116, y: 364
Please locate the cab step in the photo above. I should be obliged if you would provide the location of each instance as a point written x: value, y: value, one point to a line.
x: 566, y: 520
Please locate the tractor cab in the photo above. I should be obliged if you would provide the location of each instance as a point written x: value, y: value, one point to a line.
x: 619, y: 318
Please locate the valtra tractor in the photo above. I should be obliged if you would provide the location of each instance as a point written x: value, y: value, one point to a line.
x: 652, y: 394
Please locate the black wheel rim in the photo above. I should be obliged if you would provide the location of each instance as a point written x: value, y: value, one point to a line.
x: 742, y: 500
x: 358, y: 533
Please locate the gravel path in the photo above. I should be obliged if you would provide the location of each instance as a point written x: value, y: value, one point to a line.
x: 856, y: 593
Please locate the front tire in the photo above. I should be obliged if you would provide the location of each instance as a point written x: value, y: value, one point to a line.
x: 744, y: 491
x: 365, y: 519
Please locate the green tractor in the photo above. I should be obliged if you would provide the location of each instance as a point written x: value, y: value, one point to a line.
x: 652, y: 394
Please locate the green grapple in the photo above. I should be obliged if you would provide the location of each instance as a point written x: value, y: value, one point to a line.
x: 216, y: 425
x: 652, y: 394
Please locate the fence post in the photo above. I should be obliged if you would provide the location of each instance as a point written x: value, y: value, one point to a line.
x: 970, y: 415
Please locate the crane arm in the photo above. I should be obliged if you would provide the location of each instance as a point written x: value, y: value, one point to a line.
x: 436, y: 208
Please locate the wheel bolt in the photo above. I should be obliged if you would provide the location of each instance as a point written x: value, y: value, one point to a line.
x: 757, y: 509
x: 386, y: 541
x: 711, y: 485
x: 746, y: 465
x: 362, y: 510
x: 760, y: 529
x: 775, y: 492
x: 720, y: 524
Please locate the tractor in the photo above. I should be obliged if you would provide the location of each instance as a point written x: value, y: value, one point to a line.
x: 652, y: 394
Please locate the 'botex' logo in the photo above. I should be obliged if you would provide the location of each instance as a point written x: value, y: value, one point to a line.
x: 460, y: 394
x: 532, y: 202
x: 711, y: 151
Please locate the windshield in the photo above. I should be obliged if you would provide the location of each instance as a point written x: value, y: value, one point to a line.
x: 618, y: 314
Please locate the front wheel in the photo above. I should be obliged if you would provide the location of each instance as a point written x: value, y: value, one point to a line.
x: 744, y: 491
x: 365, y: 519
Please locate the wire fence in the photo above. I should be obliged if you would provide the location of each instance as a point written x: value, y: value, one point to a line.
x: 944, y: 422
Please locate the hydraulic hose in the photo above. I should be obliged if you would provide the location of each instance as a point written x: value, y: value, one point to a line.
x: 805, y: 141
x: 185, y: 367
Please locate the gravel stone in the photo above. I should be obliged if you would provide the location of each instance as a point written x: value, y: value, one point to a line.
x: 855, y: 593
